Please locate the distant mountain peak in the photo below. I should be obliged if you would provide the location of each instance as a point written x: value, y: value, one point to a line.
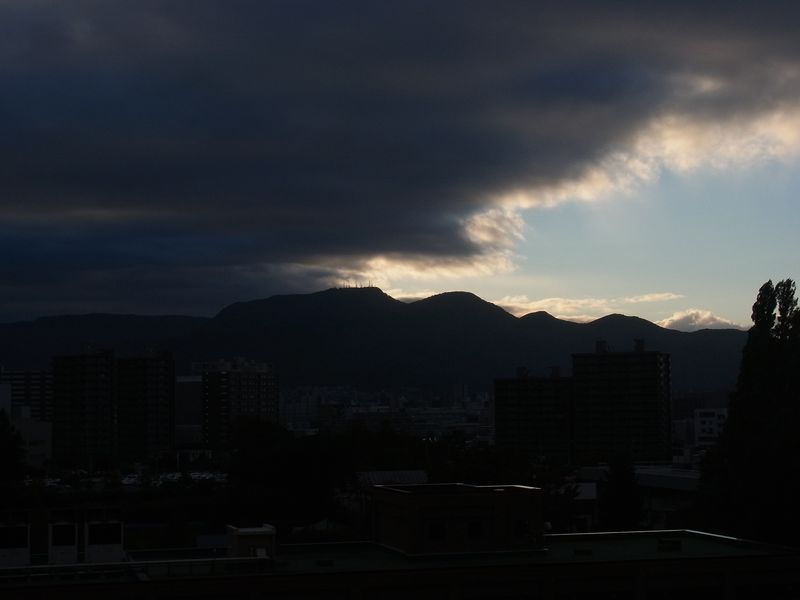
x: 351, y: 299
x: 539, y: 315
x: 455, y: 296
x: 616, y: 318
x: 354, y: 291
x: 460, y: 301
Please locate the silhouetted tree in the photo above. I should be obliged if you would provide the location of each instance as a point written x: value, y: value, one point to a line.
x: 764, y: 308
x: 787, y: 305
x: 749, y: 486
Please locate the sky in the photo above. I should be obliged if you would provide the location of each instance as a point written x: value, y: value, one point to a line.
x: 582, y: 158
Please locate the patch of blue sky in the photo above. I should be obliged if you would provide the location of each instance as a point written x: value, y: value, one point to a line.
x: 711, y: 236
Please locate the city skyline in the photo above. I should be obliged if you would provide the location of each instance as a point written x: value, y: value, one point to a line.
x: 582, y: 159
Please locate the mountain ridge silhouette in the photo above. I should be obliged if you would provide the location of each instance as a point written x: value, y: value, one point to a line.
x: 365, y: 338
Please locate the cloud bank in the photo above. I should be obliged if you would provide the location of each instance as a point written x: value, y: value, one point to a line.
x: 170, y: 157
x: 694, y: 319
x: 580, y: 309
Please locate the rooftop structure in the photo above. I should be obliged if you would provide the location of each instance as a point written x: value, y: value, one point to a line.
x: 639, y: 564
x: 456, y: 518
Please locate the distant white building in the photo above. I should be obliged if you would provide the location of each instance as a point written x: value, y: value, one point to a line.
x: 38, y: 438
x: 708, y: 425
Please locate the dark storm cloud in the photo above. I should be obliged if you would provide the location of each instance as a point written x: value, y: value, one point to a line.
x: 178, y: 155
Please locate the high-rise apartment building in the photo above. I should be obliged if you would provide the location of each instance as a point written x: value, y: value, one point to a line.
x: 533, y: 415
x: 615, y: 404
x: 85, y: 409
x: 622, y: 405
x: 31, y: 393
x: 234, y: 390
x: 107, y: 409
x: 188, y: 412
x: 146, y: 405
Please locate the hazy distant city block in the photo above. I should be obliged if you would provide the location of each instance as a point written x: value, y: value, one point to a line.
x: 134, y: 403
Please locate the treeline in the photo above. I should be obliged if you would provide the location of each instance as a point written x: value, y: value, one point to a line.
x: 751, y: 480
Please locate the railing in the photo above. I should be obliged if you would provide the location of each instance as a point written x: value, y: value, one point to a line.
x: 134, y: 570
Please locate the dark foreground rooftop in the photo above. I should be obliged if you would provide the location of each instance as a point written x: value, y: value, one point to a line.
x: 673, y: 563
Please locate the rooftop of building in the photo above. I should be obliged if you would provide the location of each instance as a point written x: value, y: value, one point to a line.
x: 451, y: 488
x: 558, y: 549
x: 651, y: 476
x: 353, y: 557
x: 397, y: 477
